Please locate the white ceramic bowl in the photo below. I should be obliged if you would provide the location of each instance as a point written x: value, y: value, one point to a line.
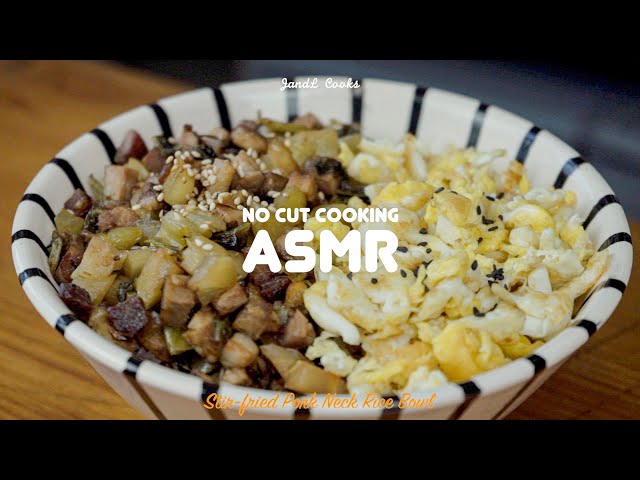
x: 386, y: 110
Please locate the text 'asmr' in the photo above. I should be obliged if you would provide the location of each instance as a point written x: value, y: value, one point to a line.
x: 379, y: 244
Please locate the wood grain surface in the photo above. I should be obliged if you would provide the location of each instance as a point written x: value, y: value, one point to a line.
x: 46, y: 104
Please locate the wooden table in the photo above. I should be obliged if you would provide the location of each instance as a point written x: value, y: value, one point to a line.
x: 46, y: 104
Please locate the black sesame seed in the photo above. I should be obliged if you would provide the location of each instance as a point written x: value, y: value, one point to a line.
x: 480, y: 239
x: 500, y: 217
x: 403, y: 273
x: 350, y: 275
x: 439, y: 189
x: 493, y: 228
x: 474, y: 265
x: 426, y: 264
x: 428, y: 250
x: 486, y: 221
x: 491, y: 199
x: 506, y: 287
x: 454, y: 192
x: 374, y: 280
x: 500, y: 195
x: 478, y: 210
x: 477, y: 312
x: 423, y: 231
x: 423, y: 244
x: 403, y: 249
x: 426, y: 289
x: 415, y: 271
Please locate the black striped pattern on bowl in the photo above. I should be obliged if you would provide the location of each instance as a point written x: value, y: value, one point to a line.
x: 384, y: 109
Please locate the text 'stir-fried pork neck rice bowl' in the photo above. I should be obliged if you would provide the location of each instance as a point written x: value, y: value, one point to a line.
x: 133, y: 243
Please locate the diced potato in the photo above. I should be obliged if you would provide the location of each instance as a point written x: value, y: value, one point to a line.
x: 290, y: 197
x: 111, y: 297
x: 224, y: 172
x: 352, y: 141
x: 283, y: 359
x: 149, y: 226
x: 193, y: 255
x: 67, y: 222
x: 238, y: 259
x: 100, y: 259
x: 305, y: 377
x: 96, y: 287
x: 138, y: 166
x: 173, y: 230
x: 280, y: 157
x: 134, y: 262
x: 124, y: 238
x: 175, y: 341
x: 214, y: 275
x: 213, y: 221
x: 178, y: 186
x: 307, y: 144
x: 151, y: 279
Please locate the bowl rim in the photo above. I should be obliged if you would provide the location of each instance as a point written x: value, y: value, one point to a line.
x: 523, y: 370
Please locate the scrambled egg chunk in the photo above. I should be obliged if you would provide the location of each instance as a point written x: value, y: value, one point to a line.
x: 489, y: 268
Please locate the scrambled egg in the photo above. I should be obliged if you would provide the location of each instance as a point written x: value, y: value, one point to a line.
x: 489, y: 267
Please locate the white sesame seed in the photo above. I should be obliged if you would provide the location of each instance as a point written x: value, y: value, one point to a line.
x: 205, y: 183
x: 271, y: 208
x: 160, y: 197
x: 256, y: 199
x: 206, y: 161
x: 212, y: 207
x: 204, y: 208
x: 195, y: 154
x: 234, y: 192
x: 169, y: 159
x: 244, y: 192
x: 263, y: 167
x: 236, y: 201
x: 198, y: 176
x: 198, y: 242
x: 171, y: 140
x: 240, y: 207
x: 264, y: 203
x: 175, y: 167
x: 158, y: 188
x: 137, y: 206
x: 178, y: 153
x: 249, y: 201
x: 208, y: 247
x: 321, y: 195
x: 204, y: 226
x: 275, y: 194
